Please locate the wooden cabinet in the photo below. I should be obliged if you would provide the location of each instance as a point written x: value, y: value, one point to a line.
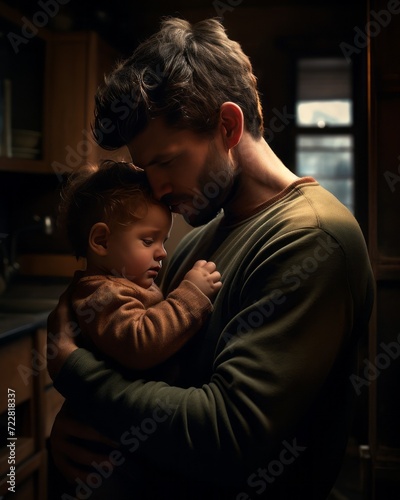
x: 23, y: 53
x: 382, y: 374
x: 28, y: 405
x: 54, y: 77
x: 77, y: 63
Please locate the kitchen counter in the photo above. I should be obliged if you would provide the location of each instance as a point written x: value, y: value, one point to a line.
x: 26, y: 304
x: 14, y: 324
x: 27, y: 391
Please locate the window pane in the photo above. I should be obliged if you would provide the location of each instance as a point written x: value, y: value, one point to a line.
x: 314, y: 142
x: 324, y: 78
x: 329, y: 159
x: 325, y: 165
x: 322, y: 113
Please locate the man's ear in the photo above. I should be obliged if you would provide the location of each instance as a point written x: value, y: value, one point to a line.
x: 232, y: 123
x: 98, y: 238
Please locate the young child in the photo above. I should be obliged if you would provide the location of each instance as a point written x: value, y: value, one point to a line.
x: 114, y: 222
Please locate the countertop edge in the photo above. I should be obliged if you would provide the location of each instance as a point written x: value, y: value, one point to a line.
x: 28, y: 324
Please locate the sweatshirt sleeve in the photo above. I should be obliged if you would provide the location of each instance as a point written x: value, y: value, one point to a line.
x: 139, y: 337
x: 272, y: 360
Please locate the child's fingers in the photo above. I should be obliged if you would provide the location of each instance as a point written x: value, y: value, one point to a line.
x: 210, y: 266
x: 215, y: 276
x: 199, y: 263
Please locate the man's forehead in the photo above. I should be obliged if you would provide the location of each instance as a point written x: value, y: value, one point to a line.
x: 156, y: 142
x: 147, y: 143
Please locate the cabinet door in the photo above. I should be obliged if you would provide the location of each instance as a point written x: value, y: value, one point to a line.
x: 22, y: 94
x: 77, y: 63
x: 383, y: 374
x: 17, y: 407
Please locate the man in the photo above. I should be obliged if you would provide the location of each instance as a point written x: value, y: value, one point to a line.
x: 262, y: 405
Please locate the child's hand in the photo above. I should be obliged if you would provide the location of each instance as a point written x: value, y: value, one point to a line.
x: 206, y: 277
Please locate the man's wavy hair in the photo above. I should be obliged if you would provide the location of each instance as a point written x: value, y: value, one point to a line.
x: 184, y: 73
x: 116, y: 193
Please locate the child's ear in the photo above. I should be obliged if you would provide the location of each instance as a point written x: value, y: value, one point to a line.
x: 98, y: 238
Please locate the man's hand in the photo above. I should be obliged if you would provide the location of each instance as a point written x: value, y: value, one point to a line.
x: 62, y: 331
x: 76, y: 446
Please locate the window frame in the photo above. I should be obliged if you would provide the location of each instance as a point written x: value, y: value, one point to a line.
x: 328, y: 130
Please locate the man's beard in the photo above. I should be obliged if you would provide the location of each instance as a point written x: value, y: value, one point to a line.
x: 216, y: 186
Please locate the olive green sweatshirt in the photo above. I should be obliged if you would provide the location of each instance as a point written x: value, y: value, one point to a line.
x: 262, y: 408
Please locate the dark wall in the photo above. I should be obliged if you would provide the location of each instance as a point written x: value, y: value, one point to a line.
x: 25, y: 199
x: 273, y: 34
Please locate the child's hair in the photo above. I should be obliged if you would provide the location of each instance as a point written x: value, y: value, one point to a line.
x: 116, y: 193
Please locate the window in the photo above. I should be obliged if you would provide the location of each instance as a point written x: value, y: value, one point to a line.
x: 324, y: 125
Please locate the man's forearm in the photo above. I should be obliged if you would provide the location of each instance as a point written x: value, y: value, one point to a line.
x: 178, y: 429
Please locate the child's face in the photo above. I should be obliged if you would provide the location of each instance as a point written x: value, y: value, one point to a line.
x: 136, y: 252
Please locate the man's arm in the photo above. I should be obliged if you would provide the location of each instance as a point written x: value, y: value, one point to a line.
x: 76, y: 445
x: 264, y: 381
x: 62, y: 333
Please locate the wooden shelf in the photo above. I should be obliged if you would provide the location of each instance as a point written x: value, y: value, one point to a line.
x: 24, y: 166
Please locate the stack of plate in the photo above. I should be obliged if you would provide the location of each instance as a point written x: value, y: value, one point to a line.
x: 25, y: 144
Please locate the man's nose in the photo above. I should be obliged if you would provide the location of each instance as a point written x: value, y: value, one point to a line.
x: 160, y: 183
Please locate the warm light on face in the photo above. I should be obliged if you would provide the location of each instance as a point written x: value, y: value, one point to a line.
x: 137, y: 251
x: 186, y: 170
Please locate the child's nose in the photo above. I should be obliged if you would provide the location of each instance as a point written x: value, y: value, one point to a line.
x: 161, y: 253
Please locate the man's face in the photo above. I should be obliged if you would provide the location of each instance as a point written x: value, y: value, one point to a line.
x: 188, y: 171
